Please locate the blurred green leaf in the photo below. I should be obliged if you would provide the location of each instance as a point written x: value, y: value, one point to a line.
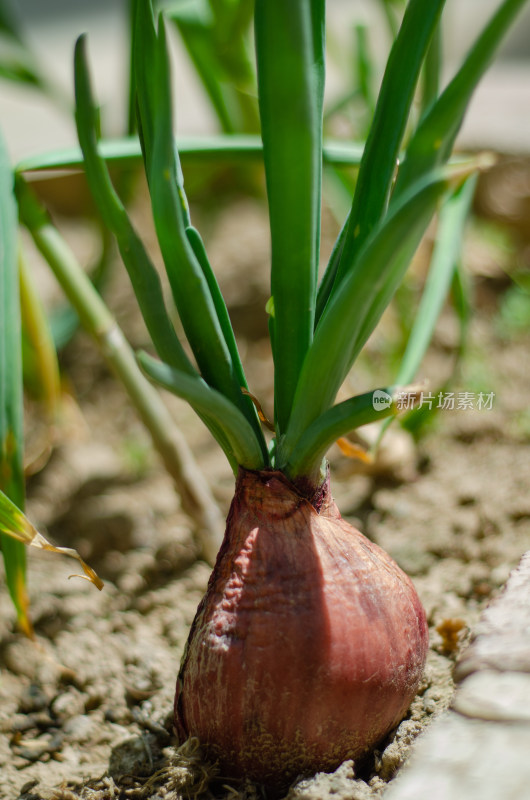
x: 215, y: 35
x: 441, y: 276
x: 432, y: 70
x: 433, y: 140
x: 19, y: 69
x: 365, y: 69
x: 513, y: 317
x: 18, y: 62
x: 9, y: 21
x: 11, y: 400
x: 231, y: 149
x: 444, y: 260
x: 45, y: 375
x: 378, y: 165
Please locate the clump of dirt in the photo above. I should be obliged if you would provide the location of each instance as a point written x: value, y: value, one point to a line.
x: 86, y: 708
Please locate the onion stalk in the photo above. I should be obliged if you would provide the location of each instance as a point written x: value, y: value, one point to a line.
x: 310, y: 641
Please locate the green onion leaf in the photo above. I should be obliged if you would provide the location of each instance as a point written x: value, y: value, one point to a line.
x: 290, y: 59
x: 244, y: 448
x: 199, y: 250
x: 357, y: 305
x: 337, y: 421
x: 143, y: 274
x: 191, y: 288
x: 215, y: 36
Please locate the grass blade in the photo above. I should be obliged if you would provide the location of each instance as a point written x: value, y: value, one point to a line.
x: 434, y: 137
x: 11, y: 400
x: 291, y: 86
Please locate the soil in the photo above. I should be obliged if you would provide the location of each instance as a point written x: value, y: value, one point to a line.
x: 85, y: 708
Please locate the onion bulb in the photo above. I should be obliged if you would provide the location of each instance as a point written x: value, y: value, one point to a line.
x: 308, y: 646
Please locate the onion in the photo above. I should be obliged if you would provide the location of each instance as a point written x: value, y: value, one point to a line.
x: 308, y: 646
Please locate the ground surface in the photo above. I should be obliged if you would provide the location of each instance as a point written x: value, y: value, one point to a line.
x: 85, y: 709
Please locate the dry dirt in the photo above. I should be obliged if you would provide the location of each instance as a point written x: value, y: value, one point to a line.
x: 85, y: 709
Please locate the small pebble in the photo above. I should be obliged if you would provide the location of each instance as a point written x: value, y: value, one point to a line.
x: 69, y: 703
x: 79, y: 728
x: 33, y: 699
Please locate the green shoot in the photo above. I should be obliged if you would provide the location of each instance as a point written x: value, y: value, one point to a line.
x: 384, y: 141
x: 354, y: 310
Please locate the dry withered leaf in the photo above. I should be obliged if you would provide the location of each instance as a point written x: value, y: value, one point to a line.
x: 15, y: 524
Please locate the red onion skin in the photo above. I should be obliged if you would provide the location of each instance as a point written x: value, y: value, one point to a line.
x: 308, y: 646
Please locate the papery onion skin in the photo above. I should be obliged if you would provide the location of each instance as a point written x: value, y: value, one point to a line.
x: 308, y: 646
